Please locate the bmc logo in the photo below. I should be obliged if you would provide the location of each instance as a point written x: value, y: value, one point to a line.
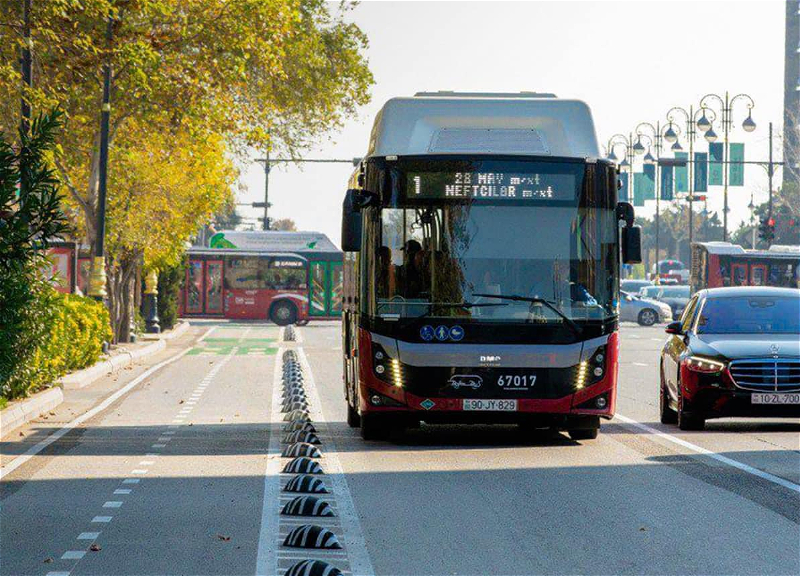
x: 489, y: 359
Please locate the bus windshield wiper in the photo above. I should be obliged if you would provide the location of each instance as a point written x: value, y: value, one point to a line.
x: 536, y: 300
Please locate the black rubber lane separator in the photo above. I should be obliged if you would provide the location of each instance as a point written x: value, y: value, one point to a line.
x: 312, y: 536
x: 295, y: 426
x: 305, y: 484
x: 297, y: 416
x: 303, y: 465
x: 288, y: 334
x: 312, y: 568
x: 307, y: 506
x: 301, y: 449
x: 289, y: 406
x: 301, y: 436
x: 293, y: 393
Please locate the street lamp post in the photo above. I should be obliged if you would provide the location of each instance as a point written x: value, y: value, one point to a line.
x: 97, y: 280
x: 268, y: 162
x: 706, y: 126
x: 690, y: 132
x: 657, y: 143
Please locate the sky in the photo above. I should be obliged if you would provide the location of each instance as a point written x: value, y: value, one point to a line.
x: 631, y: 61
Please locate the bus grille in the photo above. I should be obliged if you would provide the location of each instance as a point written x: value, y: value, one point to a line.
x: 766, y: 374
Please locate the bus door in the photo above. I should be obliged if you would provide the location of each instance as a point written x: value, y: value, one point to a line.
x: 325, y: 288
x: 758, y: 274
x: 203, y: 291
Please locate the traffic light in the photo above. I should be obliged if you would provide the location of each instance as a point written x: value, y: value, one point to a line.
x: 766, y: 230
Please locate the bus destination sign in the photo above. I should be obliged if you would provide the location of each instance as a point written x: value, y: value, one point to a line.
x: 491, y: 186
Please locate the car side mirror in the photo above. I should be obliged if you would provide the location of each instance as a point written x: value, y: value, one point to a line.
x: 354, y: 201
x: 631, y: 244
x: 674, y: 328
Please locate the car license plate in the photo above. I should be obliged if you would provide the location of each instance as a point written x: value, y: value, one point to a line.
x: 490, y: 405
x: 769, y: 398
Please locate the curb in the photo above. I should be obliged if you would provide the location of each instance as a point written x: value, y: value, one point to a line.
x: 23, y: 411
x: 84, y: 377
x: 178, y: 330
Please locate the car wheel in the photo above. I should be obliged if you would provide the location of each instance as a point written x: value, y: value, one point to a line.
x: 648, y: 317
x: 668, y: 415
x: 372, y: 428
x: 687, y: 420
x: 584, y: 433
x: 283, y: 313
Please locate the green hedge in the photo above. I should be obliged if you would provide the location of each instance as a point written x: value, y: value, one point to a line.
x: 75, y: 330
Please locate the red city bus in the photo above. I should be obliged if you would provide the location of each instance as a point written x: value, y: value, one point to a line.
x: 716, y: 264
x: 483, y: 249
x: 286, y: 277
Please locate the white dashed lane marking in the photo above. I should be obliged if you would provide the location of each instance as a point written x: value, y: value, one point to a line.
x: 101, y: 519
x: 73, y: 554
x: 88, y: 535
x: 122, y: 491
x: 112, y: 504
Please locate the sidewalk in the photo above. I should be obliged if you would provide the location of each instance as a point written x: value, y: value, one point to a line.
x: 79, y: 391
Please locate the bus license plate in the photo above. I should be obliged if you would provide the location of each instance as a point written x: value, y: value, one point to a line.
x: 769, y: 398
x: 490, y: 405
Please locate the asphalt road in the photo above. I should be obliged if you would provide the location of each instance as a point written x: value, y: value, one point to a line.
x: 182, y: 475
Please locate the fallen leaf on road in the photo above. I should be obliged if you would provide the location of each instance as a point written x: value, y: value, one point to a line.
x: 224, y: 538
x: 48, y: 560
x: 21, y: 434
x: 52, y: 413
x: 95, y: 548
x: 181, y: 402
x: 642, y: 529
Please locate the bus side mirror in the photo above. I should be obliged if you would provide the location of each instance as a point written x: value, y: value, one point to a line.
x: 351, y: 221
x: 631, y: 244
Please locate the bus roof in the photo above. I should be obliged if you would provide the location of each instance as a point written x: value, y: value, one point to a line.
x: 273, y: 241
x: 526, y: 123
x: 728, y: 249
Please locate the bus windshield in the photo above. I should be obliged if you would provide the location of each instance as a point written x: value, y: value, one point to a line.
x: 449, y: 258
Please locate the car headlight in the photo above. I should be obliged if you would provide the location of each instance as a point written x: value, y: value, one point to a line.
x: 704, y: 365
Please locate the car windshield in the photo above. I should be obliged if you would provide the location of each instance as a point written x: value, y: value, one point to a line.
x: 750, y: 315
x: 649, y: 291
x: 435, y: 255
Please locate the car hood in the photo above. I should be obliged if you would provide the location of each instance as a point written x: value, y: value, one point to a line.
x: 734, y: 346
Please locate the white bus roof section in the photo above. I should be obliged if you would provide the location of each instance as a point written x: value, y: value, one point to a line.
x: 272, y: 241
x: 451, y: 123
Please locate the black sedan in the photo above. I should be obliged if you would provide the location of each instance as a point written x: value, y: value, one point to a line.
x: 734, y: 352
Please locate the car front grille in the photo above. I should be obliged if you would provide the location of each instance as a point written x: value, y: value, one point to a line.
x: 767, y: 374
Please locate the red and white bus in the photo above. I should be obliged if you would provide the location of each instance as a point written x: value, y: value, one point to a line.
x: 716, y: 264
x: 286, y: 277
x: 483, y: 251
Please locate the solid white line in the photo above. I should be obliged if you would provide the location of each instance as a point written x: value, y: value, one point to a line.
x: 705, y: 452
x: 354, y: 542
x: 101, y: 519
x: 35, y: 449
x: 139, y: 471
x: 57, y: 574
x: 88, y: 535
x: 146, y: 463
x: 266, y: 558
x: 640, y: 364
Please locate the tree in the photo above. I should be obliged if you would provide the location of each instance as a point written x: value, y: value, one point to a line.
x: 28, y: 223
x: 674, y: 233
x: 264, y: 74
x: 286, y: 224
